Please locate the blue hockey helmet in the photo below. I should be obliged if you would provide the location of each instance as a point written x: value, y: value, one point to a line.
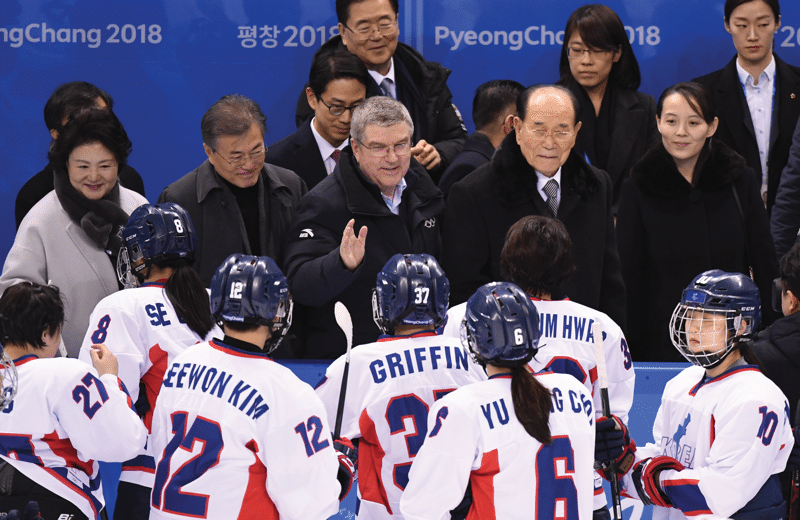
x: 410, y: 290
x: 501, y: 325
x: 252, y: 289
x: 716, y: 310
x: 154, y: 233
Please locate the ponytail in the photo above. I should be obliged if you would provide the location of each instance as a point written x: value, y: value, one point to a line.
x: 748, y: 354
x: 531, y: 403
x: 188, y: 295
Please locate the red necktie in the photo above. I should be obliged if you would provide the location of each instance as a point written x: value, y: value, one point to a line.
x: 335, y: 156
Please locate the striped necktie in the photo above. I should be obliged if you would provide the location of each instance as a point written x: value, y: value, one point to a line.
x: 387, y: 86
x: 551, y: 189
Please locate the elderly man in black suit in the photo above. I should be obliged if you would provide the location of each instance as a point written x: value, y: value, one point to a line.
x: 337, y: 85
x: 536, y: 172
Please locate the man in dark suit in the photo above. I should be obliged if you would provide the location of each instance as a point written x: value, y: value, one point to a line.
x: 369, y: 29
x: 337, y: 85
x: 493, y: 109
x: 66, y: 100
x: 238, y: 204
x: 535, y: 171
x: 756, y: 94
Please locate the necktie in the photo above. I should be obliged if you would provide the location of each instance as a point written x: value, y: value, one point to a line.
x: 387, y: 86
x: 551, y: 189
x: 335, y: 156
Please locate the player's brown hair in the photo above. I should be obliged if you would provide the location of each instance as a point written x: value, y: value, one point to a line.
x: 536, y: 254
x: 531, y: 403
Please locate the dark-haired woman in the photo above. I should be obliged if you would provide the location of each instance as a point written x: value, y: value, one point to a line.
x: 722, y: 432
x: 691, y: 204
x: 524, y: 442
x: 70, y: 238
x: 64, y: 416
x: 618, y: 123
x: 146, y: 327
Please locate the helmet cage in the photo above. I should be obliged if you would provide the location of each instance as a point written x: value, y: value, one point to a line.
x: 8, y: 380
x: 693, y: 330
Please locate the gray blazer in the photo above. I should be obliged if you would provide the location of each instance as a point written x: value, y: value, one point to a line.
x: 218, y: 222
x: 51, y: 248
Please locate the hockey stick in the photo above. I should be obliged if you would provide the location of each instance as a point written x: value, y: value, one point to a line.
x: 602, y: 376
x: 345, y: 323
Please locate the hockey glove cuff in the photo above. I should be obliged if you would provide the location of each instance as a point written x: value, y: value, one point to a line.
x: 613, y: 444
x: 646, y: 476
x: 348, y: 460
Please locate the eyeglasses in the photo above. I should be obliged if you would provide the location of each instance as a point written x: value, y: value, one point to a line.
x: 576, y: 53
x: 242, y: 159
x: 337, y: 110
x: 365, y: 33
x: 382, y: 150
x: 559, y: 137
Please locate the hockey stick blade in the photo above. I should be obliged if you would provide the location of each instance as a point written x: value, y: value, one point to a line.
x: 345, y: 322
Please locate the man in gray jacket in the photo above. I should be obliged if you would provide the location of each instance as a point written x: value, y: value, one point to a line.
x: 238, y: 203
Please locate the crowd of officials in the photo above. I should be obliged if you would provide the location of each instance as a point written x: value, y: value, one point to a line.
x: 651, y: 191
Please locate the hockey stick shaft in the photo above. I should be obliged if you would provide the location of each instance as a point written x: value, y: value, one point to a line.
x: 602, y: 376
x: 345, y: 322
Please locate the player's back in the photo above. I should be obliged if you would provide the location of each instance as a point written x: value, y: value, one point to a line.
x: 252, y: 438
x: 392, y: 384
x: 63, y: 418
x: 474, y: 432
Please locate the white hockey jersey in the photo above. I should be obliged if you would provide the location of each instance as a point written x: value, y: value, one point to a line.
x: 567, y: 346
x: 474, y: 437
x: 731, y: 433
x: 392, y: 384
x: 64, y: 418
x: 240, y: 436
x: 140, y: 326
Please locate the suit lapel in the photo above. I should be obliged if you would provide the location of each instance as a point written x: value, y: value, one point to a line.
x: 732, y: 101
x: 308, y: 157
x: 569, y: 199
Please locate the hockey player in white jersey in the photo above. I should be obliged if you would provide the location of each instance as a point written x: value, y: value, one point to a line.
x: 536, y: 257
x: 147, y: 326
x: 722, y: 433
x: 65, y: 416
x: 235, y: 434
x: 393, y: 382
x: 523, y: 442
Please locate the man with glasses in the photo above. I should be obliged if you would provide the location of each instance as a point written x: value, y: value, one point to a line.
x: 536, y: 172
x: 238, y: 203
x: 378, y: 202
x: 369, y: 29
x: 337, y: 85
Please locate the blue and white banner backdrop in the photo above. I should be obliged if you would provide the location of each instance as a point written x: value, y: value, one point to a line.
x: 166, y: 61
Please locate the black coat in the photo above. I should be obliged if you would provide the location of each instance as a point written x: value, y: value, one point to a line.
x: 300, y: 153
x: 736, y: 126
x: 778, y: 350
x: 484, y: 205
x: 317, y: 276
x: 422, y: 88
x: 784, y: 221
x: 218, y: 221
x: 42, y: 183
x: 669, y: 232
x: 478, y: 150
x: 634, y: 133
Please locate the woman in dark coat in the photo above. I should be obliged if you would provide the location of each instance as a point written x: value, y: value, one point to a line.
x: 691, y: 204
x: 618, y: 123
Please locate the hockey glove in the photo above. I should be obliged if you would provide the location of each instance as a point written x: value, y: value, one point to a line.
x: 348, y: 462
x: 646, y: 476
x: 613, y: 444
x: 793, y: 464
